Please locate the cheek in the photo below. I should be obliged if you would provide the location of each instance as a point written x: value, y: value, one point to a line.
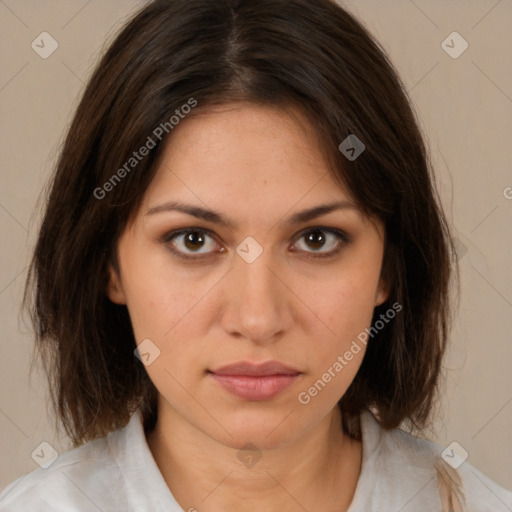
x: 169, y: 316
x: 343, y: 351
x: 172, y: 310
x: 346, y: 303
x: 347, y: 308
x: 161, y: 296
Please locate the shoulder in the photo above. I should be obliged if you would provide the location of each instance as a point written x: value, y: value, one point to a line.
x: 65, y: 482
x: 481, y: 493
x: 407, y: 470
x: 88, y: 477
x: 113, y: 473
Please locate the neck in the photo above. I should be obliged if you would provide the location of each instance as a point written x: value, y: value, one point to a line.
x: 319, y: 471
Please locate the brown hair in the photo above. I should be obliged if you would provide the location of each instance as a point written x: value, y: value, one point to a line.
x: 308, y: 54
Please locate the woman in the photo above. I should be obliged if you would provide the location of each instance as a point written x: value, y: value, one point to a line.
x: 240, y: 285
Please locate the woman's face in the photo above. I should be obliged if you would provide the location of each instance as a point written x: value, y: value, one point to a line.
x: 270, y: 283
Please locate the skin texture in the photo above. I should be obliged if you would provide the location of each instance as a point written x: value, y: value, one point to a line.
x: 257, y: 166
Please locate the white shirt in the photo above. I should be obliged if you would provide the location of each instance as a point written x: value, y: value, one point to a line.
x: 118, y: 473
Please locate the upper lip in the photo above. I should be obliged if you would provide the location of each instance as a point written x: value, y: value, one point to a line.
x: 256, y: 370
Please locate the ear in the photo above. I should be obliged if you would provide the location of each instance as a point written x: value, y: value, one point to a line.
x: 115, y: 290
x: 383, y: 292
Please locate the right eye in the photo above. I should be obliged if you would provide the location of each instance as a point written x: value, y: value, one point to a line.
x: 190, y: 239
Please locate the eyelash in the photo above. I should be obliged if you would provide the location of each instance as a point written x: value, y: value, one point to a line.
x: 342, y: 238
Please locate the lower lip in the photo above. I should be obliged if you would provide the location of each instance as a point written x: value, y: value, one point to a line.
x: 255, y: 388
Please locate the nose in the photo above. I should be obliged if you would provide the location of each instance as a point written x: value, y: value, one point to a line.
x: 257, y: 303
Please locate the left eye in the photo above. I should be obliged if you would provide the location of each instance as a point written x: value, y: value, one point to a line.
x: 316, y: 239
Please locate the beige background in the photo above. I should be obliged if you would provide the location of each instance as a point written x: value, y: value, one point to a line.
x: 465, y: 109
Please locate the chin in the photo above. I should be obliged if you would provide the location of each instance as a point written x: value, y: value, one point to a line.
x: 264, y: 429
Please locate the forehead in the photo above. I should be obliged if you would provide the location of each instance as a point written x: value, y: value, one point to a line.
x: 241, y: 151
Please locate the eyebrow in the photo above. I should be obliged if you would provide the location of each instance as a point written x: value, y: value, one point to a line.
x: 217, y: 218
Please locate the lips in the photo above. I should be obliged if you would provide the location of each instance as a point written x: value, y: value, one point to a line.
x: 256, y: 370
x: 255, y: 381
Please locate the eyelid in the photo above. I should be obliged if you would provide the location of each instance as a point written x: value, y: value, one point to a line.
x: 180, y: 231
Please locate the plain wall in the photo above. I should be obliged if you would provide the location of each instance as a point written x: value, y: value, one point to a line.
x: 465, y: 109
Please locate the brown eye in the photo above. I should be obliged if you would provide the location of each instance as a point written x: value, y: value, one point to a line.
x: 193, y: 240
x: 191, y: 243
x: 316, y: 239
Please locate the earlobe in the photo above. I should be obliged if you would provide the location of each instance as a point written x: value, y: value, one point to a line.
x: 114, y: 287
